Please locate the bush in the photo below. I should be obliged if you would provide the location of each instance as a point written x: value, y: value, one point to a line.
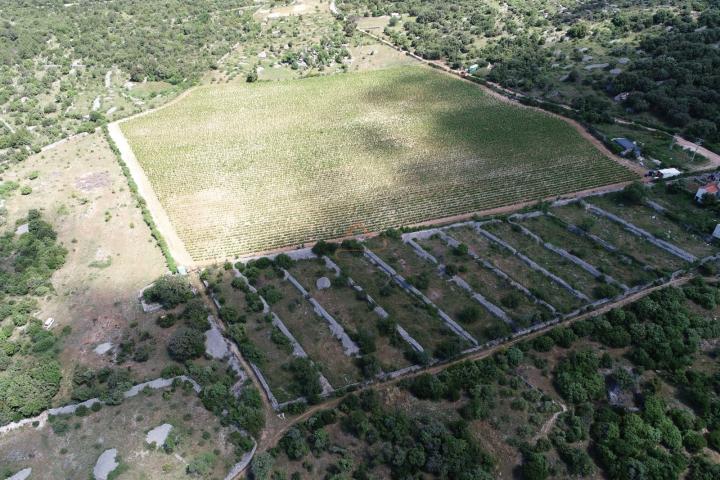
x: 634, y: 193
x: 229, y: 314
x: 271, y: 294
x: 324, y: 248
x: 511, y: 300
x: 449, y: 348
x: 202, y: 464
x: 166, y: 321
x: 185, y: 344
x: 469, y: 314
x: 169, y: 291
x: 283, y: 261
x: 261, y: 466
x: 694, y: 442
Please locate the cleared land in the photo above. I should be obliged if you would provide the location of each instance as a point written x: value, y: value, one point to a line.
x: 245, y: 168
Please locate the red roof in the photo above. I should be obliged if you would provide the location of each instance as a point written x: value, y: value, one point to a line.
x: 711, y: 188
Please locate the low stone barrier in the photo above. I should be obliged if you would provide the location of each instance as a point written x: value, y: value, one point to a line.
x: 156, y: 384
x: 454, y: 326
x: 637, y: 231
x: 350, y: 348
x: 532, y: 264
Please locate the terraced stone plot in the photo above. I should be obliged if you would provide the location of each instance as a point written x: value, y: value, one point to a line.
x: 575, y: 276
x: 497, y: 290
x: 540, y: 285
x: 353, y: 312
x: 655, y: 223
x: 621, y: 267
x: 310, y: 330
x: 275, y: 351
x: 418, y: 319
x: 616, y: 235
x: 446, y: 295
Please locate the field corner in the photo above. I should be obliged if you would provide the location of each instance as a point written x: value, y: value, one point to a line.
x: 162, y: 229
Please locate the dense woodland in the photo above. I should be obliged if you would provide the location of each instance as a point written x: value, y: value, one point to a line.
x: 662, y: 55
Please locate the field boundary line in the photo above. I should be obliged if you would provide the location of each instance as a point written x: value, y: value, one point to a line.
x: 164, y: 226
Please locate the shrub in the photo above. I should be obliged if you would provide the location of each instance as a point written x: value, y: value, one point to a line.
x: 202, y: 464
x: 166, y: 321
x: 185, y: 344
x: 511, y: 300
x: 634, y: 193
x: 283, y: 261
x: 229, y: 314
x: 271, y: 294
x: 324, y: 248
x: 694, y: 442
x: 169, y: 291
x: 469, y: 314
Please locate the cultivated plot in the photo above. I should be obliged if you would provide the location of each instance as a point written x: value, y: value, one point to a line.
x: 270, y: 350
x: 418, y: 319
x: 655, y: 223
x: 499, y: 291
x: 350, y: 308
x: 445, y: 295
x: 622, y: 268
x: 571, y: 273
x: 310, y: 330
x: 619, y: 237
x: 241, y: 168
x: 537, y: 283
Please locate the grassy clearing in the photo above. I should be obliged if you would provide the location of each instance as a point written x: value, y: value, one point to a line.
x: 578, y: 278
x: 540, y: 285
x: 494, y: 288
x: 409, y: 312
x: 446, y: 295
x: 612, y: 232
x: 377, y: 149
x: 622, y: 268
x: 353, y: 313
x: 311, y: 332
x: 655, y: 223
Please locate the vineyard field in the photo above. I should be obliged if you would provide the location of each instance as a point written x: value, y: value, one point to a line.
x: 243, y: 168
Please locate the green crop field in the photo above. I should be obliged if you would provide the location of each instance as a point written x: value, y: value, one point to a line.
x: 242, y: 168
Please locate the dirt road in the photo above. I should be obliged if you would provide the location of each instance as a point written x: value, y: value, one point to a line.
x: 713, y: 157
